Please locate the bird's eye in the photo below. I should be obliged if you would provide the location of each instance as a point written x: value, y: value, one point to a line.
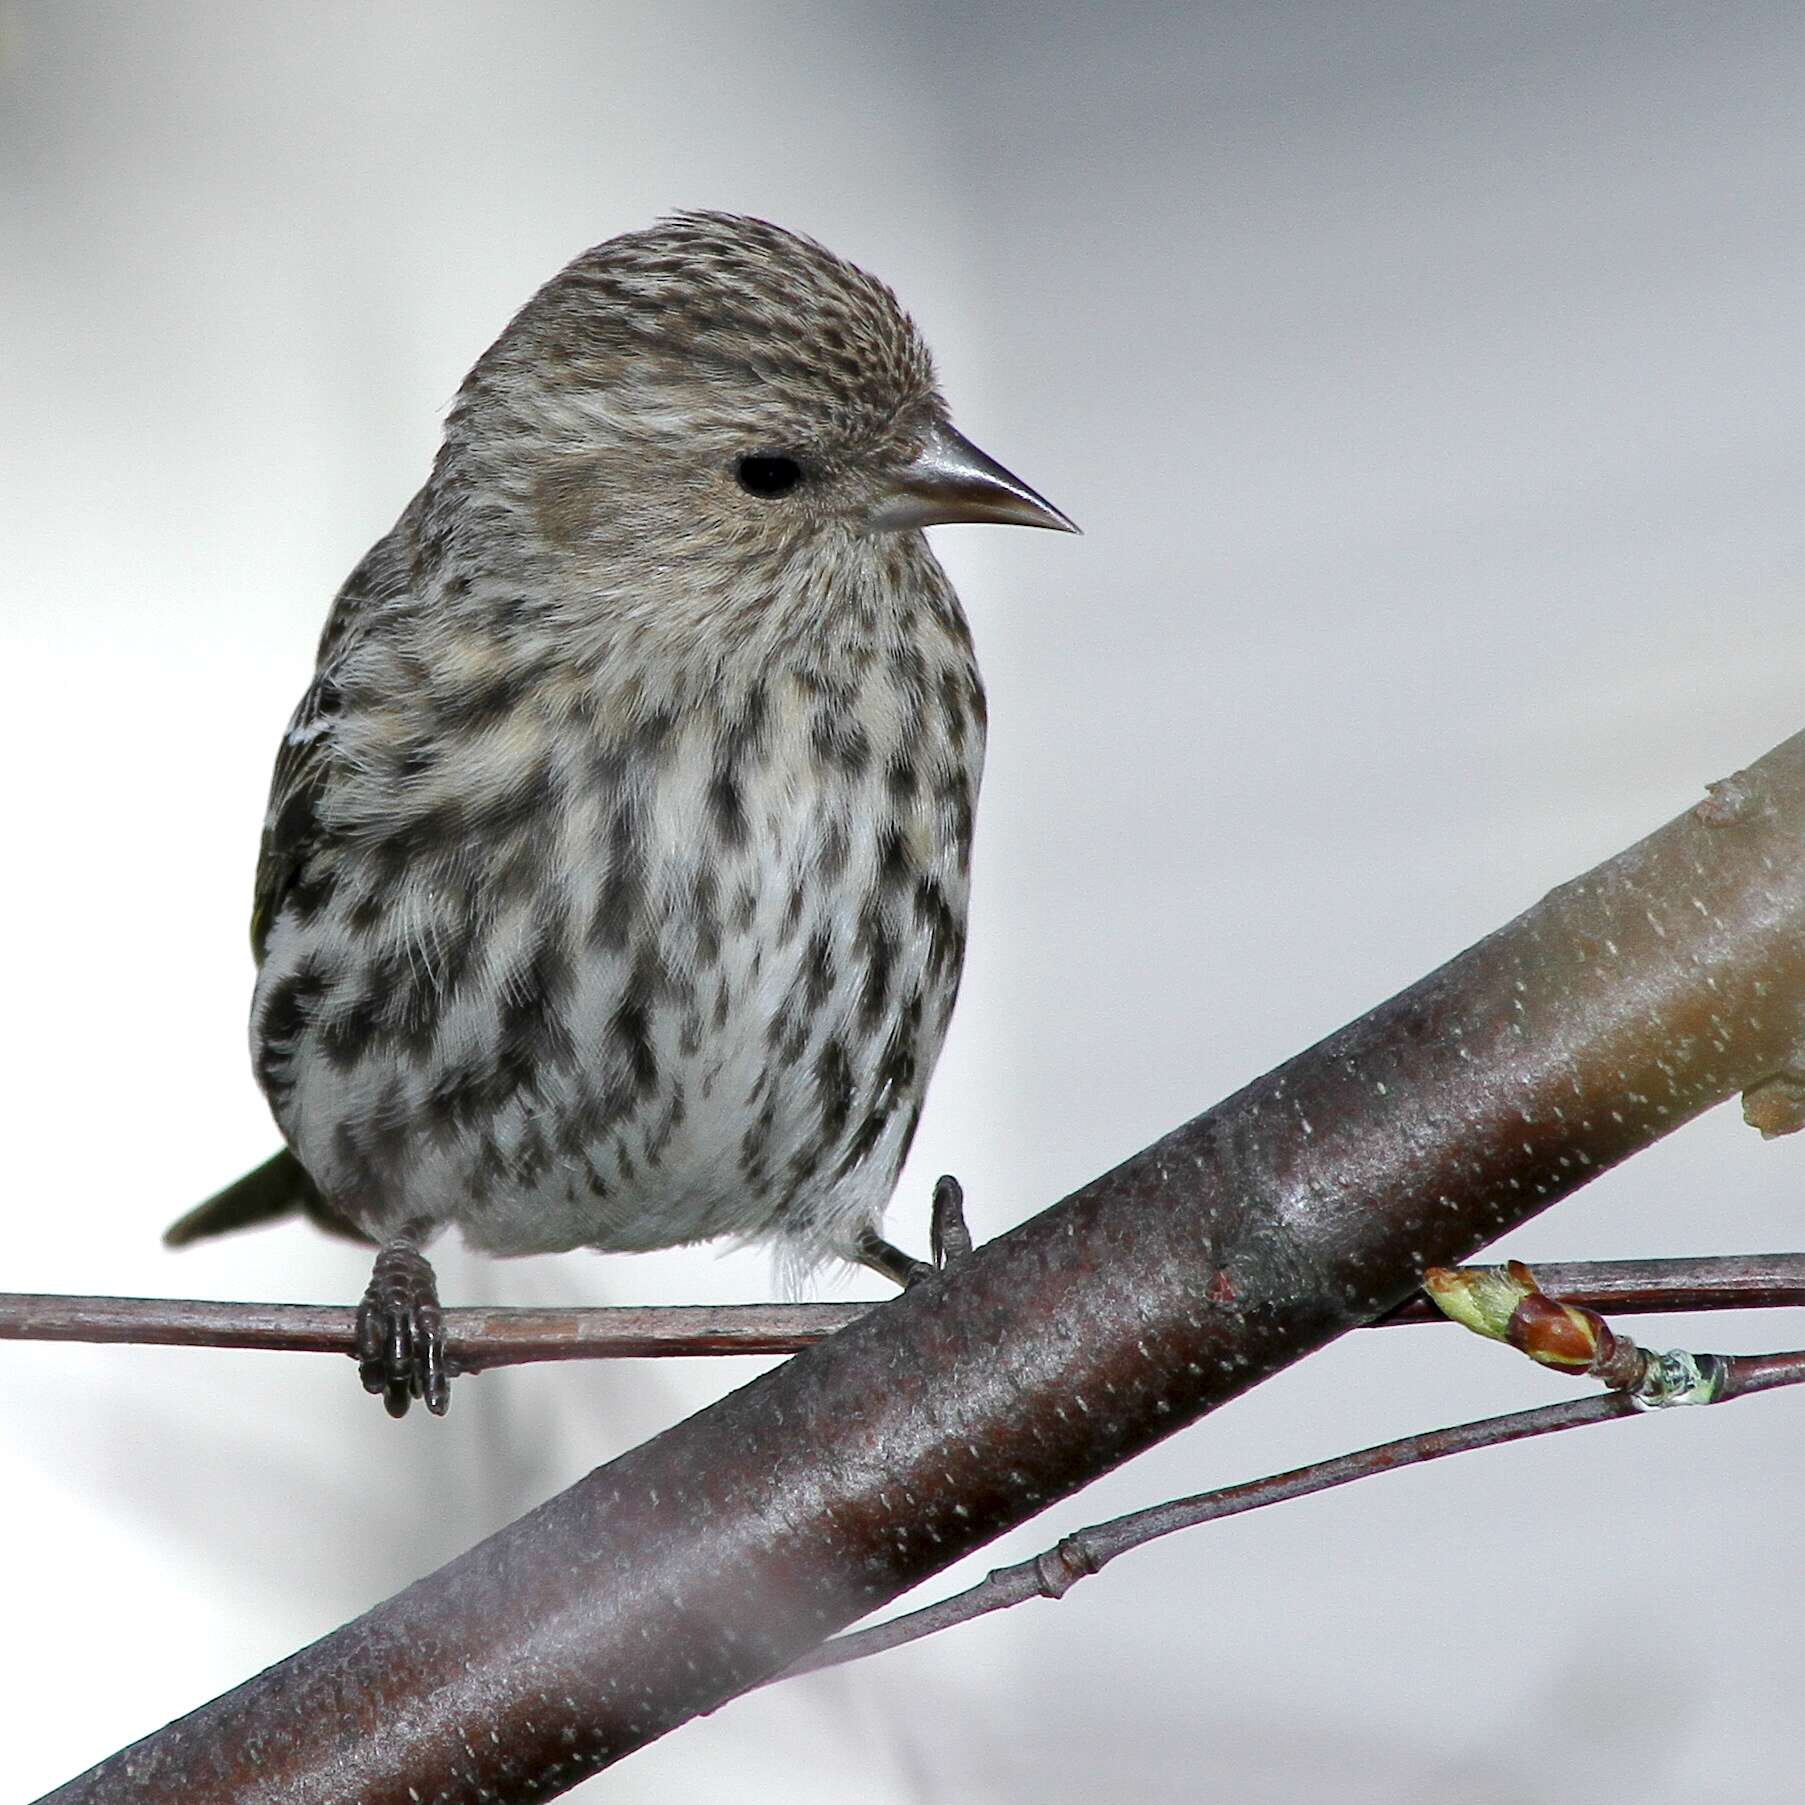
x: 768, y: 474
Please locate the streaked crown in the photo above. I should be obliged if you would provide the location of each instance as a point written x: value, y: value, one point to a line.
x: 688, y: 325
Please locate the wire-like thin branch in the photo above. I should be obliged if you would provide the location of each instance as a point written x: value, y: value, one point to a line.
x: 1744, y: 1281
x: 481, y: 1337
x: 475, y: 1337
x: 1053, y: 1572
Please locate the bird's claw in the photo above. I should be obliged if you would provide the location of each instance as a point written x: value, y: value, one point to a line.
x: 401, y: 1333
x: 948, y: 1235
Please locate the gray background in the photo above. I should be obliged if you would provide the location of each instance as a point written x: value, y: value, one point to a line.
x: 1427, y: 379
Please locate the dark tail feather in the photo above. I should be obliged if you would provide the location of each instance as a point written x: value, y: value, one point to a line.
x: 279, y: 1187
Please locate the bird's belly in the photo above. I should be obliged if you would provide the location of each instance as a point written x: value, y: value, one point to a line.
x: 749, y: 1064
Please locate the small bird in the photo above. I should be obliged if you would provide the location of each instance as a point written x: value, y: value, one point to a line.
x: 612, y: 889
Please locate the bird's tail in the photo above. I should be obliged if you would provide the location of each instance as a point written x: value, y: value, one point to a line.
x: 278, y: 1188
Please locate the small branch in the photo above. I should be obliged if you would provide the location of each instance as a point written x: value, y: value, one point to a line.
x: 484, y: 1336
x: 476, y: 1338
x: 1744, y: 1281
x: 1053, y: 1573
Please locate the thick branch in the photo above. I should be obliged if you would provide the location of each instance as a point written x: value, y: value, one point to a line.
x: 716, y: 1554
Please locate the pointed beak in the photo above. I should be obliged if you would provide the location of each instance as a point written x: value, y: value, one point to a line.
x: 949, y: 480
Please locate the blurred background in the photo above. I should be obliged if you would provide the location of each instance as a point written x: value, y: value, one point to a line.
x: 1427, y: 379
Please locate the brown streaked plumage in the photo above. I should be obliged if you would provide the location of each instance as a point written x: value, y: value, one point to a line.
x: 613, y: 886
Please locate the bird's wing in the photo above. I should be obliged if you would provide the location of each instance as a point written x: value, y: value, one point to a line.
x: 291, y: 820
x: 379, y: 585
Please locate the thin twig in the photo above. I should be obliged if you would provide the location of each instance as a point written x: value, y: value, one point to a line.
x: 475, y: 1337
x: 1053, y: 1572
x: 1744, y: 1281
x: 485, y: 1336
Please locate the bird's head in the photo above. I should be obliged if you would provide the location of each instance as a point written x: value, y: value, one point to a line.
x: 717, y: 385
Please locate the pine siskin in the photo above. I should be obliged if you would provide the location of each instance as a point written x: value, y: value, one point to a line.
x: 613, y: 886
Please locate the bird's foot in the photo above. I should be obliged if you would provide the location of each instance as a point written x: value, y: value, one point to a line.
x: 950, y: 1237
x: 401, y: 1334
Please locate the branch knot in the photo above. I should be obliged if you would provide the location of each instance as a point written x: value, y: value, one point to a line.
x: 1060, y: 1567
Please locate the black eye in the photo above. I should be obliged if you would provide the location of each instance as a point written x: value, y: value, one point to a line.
x: 768, y: 474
